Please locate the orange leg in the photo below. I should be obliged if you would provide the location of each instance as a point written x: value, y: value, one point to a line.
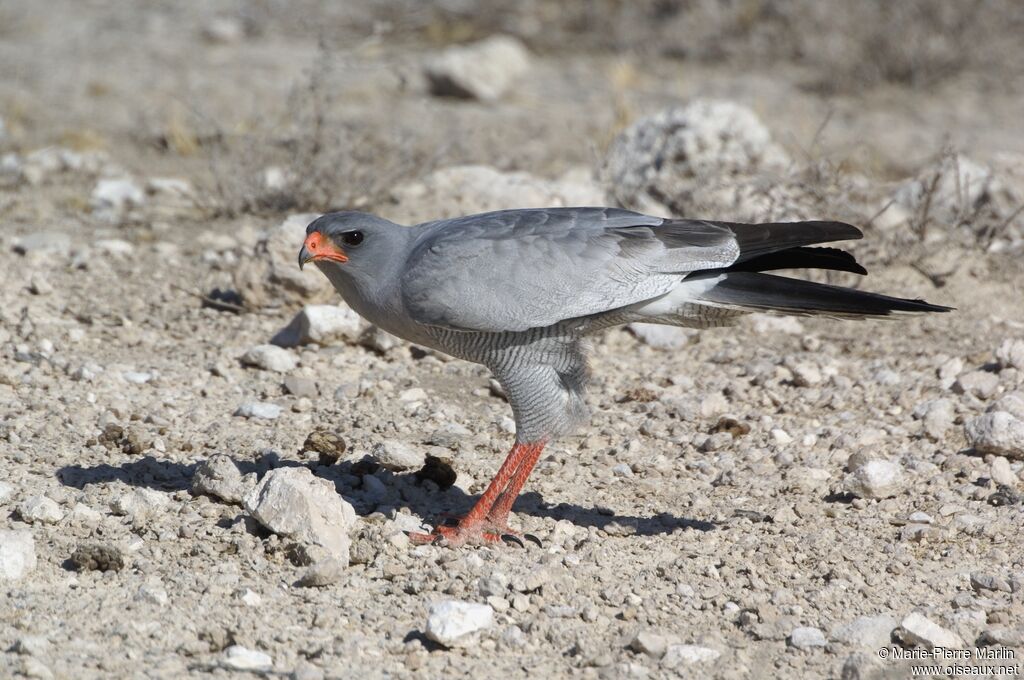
x: 479, y: 525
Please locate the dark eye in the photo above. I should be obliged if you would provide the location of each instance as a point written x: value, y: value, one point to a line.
x: 352, y: 238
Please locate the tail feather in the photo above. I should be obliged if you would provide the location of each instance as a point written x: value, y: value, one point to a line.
x: 766, y: 292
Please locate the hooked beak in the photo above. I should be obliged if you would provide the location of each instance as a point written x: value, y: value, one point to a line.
x: 319, y: 247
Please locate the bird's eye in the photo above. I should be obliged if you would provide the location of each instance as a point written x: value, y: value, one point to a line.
x: 352, y: 238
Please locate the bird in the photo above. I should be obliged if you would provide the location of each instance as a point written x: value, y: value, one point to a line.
x: 519, y: 291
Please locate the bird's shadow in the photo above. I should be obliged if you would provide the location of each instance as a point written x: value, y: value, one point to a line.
x: 422, y: 498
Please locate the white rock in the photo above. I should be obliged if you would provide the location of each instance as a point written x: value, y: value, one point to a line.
x: 688, y: 655
x: 152, y: 594
x: 117, y: 194
x: 467, y: 189
x: 453, y: 623
x: 806, y: 637
x: 1010, y: 354
x: 322, y: 324
x: 169, y: 187
x: 1012, y: 403
x: 117, y: 247
x: 6, y: 491
x: 258, y: 409
x: 17, y: 553
x: 949, y: 370
x: 649, y: 643
x: 270, y: 358
x: 937, y: 416
x: 981, y: 384
x: 661, y: 336
x: 917, y: 630
x: 243, y: 659
x: 866, y: 632
x: 293, y: 502
x: 137, y: 377
x: 769, y: 323
x: 219, y: 476
x: 781, y: 437
x: 270, y: 275
x: 484, y: 70
x: 40, y: 509
x: 84, y: 514
x: 413, y: 394
x: 876, y: 479
x: 805, y: 373
x: 998, y: 433
x: 398, y: 456
x: 1002, y: 473
x: 140, y: 503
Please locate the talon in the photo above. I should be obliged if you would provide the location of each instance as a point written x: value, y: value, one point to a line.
x: 437, y: 540
x: 533, y: 539
x: 512, y: 538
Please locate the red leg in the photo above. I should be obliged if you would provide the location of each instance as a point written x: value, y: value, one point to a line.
x: 474, y: 526
x: 498, y: 515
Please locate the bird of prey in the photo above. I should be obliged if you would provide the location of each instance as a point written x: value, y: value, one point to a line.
x: 519, y: 290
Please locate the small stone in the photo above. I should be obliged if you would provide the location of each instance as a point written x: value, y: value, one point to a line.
x: 1010, y: 354
x: 31, y: 645
x: 781, y: 437
x: 6, y: 491
x: 805, y: 374
x: 917, y: 630
x: 981, y: 384
x: 320, y: 324
x: 1012, y: 403
x: 292, y: 502
x: 998, y: 433
x: 484, y: 70
x: 981, y: 581
x: 117, y: 194
x: 377, y: 340
x: 243, y: 659
x: 875, y: 479
x: 866, y: 632
x: 688, y: 655
x: 661, y: 336
x: 496, y: 584
x: 17, y: 553
x: 807, y: 637
x: 249, y: 597
x: 220, y: 477
x: 270, y: 358
x: 259, y: 409
x: 38, y: 284
x: 397, y: 456
x: 300, y: 386
x: 860, y: 666
x: 937, y: 416
x: 323, y: 573
x: 330, y: 446
x: 40, y: 509
x: 649, y: 643
x: 1002, y: 473
x: 140, y: 503
x: 453, y: 623
x: 152, y: 594
x: 97, y: 557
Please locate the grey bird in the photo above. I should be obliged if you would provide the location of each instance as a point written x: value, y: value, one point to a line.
x: 519, y: 291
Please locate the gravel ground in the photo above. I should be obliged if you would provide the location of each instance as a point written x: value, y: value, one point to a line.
x: 778, y: 499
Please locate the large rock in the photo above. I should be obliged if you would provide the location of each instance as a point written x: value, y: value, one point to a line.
x: 876, y: 479
x: 269, y: 276
x: 916, y: 630
x: 454, y: 623
x: 17, y: 553
x: 219, y: 476
x: 40, y: 509
x: 322, y: 324
x: 270, y: 358
x: 466, y: 189
x: 996, y: 432
x: 484, y: 70
x: 662, y: 163
x: 294, y: 503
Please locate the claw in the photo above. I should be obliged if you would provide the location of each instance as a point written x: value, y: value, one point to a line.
x: 512, y: 538
x: 533, y: 539
x: 438, y: 540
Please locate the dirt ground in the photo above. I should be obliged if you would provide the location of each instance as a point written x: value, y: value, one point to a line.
x: 653, y: 522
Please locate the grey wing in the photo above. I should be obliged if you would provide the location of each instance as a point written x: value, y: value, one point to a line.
x: 519, y: 269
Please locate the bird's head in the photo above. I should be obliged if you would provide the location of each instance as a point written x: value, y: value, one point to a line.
x: 350, y: 244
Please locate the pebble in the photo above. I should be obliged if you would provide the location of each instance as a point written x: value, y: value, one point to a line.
x: 805, y: 374
x: 875, y: 479
x: 6, y: 491
x: 17, y: 553
x: 117, y: 194
x: 244, y: 659
x: 320, y: 324
x: 140, y: 503
x: 649, y: 643
x: 300, y: 386
x: 377, y: 340
x: 220, y: 477
x: 484, y: 70
x: 1010, y: 354
x: 40, y: 509
x: 982, y: 581
x: 780, y: 437
x: 1001, y: 472
x: 398, y: 456
x: 31, y: 645
x: 270, y: 358
x: 998, y: 433
x: 152, y: 594
x: 323, y: 573
x: 496, y: 584
x: 981, y: 384
x: 937, y: 417
x: 259, y: 409
x: 688, y: 655
x: 866, y: 632
x: 292, y: 502
x: 806, y: 637
x: 917, y: 630
x: 453, y: 623
x: 38, y: 284
x: 1012, y: 403
x: 661, y: 336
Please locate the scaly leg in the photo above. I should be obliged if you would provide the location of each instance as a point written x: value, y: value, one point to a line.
x: 477, y: 525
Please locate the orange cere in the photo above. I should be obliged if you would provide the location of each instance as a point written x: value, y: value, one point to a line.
x: 322, y: 248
